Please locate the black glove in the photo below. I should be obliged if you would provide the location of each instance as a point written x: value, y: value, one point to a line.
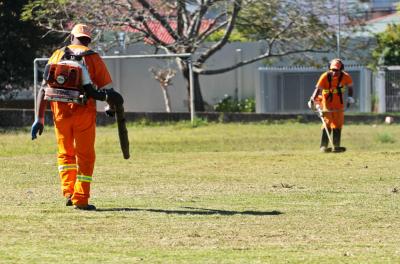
x: 113, y: 98
x: 109, y: 95
x: 91, y: 92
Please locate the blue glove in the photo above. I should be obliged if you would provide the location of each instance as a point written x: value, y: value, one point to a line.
x: 36, y: 127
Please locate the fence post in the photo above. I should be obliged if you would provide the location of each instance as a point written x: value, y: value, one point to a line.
x: 380, y: 88
x: 365, y: 90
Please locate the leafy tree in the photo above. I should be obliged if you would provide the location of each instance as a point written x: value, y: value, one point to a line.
x: 286, y: 26
x: 20, y: 43
x: 387, y: 51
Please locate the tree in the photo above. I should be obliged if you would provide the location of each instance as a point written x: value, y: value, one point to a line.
x: 387, y: 50
x: 164, y: 76
x: 286, y: 26
x: 20, y: 43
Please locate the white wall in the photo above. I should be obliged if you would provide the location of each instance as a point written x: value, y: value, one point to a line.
x: 142, y: 92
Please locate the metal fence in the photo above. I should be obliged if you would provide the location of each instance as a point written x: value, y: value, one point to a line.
x: 288, y: 89
x: 391, y: 88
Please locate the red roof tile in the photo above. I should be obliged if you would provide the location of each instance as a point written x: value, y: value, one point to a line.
x: 162, y: 33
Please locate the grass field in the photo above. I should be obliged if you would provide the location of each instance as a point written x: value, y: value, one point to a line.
x: 217, y: 193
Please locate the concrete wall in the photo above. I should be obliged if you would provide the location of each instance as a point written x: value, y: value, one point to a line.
x: 13, y: 118
x: 143, y: 93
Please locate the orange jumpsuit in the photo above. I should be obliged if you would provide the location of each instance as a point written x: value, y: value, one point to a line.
x: 75, y: 127
x: 334, y: 119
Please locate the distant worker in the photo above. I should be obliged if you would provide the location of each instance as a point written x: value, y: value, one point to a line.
x: 328, y: 95
x: 74, y: 78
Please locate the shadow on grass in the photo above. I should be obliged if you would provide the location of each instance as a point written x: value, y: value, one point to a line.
x: 192, y: 211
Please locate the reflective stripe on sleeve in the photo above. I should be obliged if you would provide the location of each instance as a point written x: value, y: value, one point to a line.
x: 67, y: 167
x: 84, y: 178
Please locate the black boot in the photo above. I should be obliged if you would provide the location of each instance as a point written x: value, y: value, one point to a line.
x: 324, y: 141
x: 336, y: 134
x: 88, y: 207
x: 68, y: 201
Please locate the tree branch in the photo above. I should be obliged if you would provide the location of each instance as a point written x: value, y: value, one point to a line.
x: 246, y: 62
x: 209, y: 31
x: 197, y: 19
x: 225, y: 38
x: 151, y: 34
x: 182, y: 19
x: 160, y: 19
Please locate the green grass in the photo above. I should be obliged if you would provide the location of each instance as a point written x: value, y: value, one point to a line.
x: 217, y: 193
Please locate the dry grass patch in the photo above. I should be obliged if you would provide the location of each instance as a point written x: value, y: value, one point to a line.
x: 218, y: 193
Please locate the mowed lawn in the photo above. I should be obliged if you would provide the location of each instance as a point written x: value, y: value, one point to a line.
x: 216, y: 193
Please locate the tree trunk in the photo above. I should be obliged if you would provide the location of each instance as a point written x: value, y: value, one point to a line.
x: 198, y: 97
x: 166, y: 99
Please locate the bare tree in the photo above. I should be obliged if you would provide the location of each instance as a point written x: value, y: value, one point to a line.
x: 164, y: 76
x: 287, y: 26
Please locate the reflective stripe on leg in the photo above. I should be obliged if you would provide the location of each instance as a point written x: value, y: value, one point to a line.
x: 67, y: 167
x: 67, y: 172
x: 84, y: 178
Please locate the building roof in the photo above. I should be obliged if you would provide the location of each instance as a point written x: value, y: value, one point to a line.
x: 163, y: 34
x: 378, y: 25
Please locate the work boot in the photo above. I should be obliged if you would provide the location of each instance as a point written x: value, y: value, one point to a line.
x: 324, y: 141
x: 68, y: 201
x: 336, y: 134
x: 87, y: 207
x: 338, y: 149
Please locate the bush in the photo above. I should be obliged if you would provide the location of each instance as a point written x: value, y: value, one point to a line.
x: 228, y: 104
x: 385, y: 138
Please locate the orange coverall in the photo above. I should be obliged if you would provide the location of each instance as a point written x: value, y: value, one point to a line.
x: 75, y: 127
x: 334, y: 119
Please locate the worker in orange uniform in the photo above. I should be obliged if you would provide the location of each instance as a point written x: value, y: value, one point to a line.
x: 329, y: 93
x: 74, y: 78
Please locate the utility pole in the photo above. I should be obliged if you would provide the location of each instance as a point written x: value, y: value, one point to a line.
x: 338, y: 31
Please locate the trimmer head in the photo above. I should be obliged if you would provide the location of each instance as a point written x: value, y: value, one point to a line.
x: 334, y: 150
